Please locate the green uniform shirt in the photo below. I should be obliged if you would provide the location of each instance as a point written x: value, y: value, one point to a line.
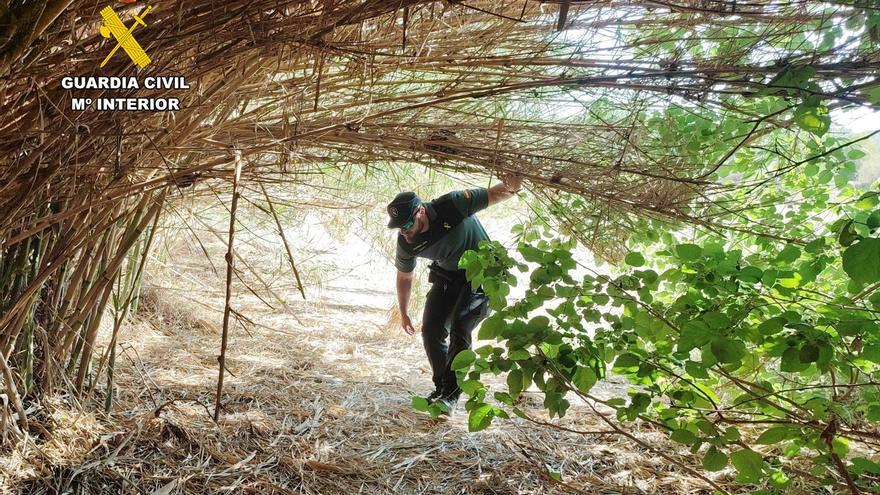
x: 449, y: 248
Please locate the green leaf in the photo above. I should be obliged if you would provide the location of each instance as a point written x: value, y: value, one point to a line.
x: 861, y: 465
x: 873, y: 220
x: 480, y: 417
x: 515, y: 382
x: 771, y: 326
x: 435, y: 409
x: 868, y: 200
x: 473, y: 268
x: 688, y: 252
x: 840, y: 446
x: 696, y: 370
x: 850, y: 328
x: 584, y: 378
x: 518, y: 355
x: 847, y: 234
x: 773, y: 435
x: 694, y: 333
x: 707, y: 427
x: 749, y: 464
x: 815, y: 246
x: 855, y: 154
x: 634, y: 259
x: 731, y: 434
x: 649, y: 276
x: 873, y: 95
x: 875, y: 300
x: 809, y: 353
x: 627, y: 361
x: 818, y: 406
x: 750, y: 274
x: 470, y: 387
x: 683, y: 436
x: 790, y: 282
x: 538, y: 324
x: 464, y: 359
x: 420, y: 403
x: 861, y: 261
x: 716, y: 320
x: 714, y: 460
x: 811, y: 169
x: 789, y: 254
x: 788, y: 78
x: 545, y: 292
x: 791, y: 361
x: 778, y: 478
x: 813, y: 119
x: 491, y: 328
x: 854, y: 287
x: 531, y: 253
x: 727, y: 350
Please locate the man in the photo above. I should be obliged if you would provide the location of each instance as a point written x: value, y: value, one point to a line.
x: 441, y: 230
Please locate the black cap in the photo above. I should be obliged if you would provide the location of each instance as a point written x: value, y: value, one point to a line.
x: 402, y: 209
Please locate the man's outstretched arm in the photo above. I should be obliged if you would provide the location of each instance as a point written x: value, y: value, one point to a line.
x: 404, y: 289
x: 507, y: 188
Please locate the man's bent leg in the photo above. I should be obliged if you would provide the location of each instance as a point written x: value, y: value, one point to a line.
x: 435, y: 331
x: 470, y: 309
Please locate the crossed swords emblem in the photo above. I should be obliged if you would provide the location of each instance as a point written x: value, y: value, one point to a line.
x: 113, y: 26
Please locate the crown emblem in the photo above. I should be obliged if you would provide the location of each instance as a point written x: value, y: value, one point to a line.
x: 393, y: 211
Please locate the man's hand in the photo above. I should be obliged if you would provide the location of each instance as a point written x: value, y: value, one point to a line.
x: 512, y: 182
x: 407, y: 325
x: 507, y: 188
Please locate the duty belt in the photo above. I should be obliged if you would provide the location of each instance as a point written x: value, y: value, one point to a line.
x: 447, y: 275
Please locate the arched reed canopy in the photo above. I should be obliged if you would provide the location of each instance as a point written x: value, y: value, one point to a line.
x: 560, y: 92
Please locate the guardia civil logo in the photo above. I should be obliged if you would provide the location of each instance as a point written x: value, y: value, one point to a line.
x: 117, y: 91
x: 115, y: 28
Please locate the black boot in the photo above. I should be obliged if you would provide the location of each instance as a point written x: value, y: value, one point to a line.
x: 436, y: 394
x: 448, y: 402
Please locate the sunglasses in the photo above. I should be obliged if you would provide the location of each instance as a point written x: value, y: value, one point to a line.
x: 412, y: 219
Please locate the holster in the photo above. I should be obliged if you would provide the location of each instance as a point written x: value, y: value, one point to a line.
x: 437, y: 274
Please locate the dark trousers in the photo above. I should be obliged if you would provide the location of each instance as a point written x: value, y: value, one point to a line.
x: 452, y: 310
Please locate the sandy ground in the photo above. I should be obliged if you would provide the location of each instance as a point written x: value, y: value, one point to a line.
x: 316, y: 399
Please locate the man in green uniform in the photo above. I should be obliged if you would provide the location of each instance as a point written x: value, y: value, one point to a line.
x: 441, y: 230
